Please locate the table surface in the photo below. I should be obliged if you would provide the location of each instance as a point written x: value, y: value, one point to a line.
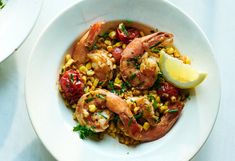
x: 18, y: 141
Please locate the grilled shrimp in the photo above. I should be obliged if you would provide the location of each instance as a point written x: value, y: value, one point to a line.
x: 83, y: 53
x: 159, y: 129
x: 83, y: 46
x: 105, y: 103
x: 137, y: 66
x: 102, y: 64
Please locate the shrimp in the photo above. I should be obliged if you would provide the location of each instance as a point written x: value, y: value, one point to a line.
x: 159, y: 129
x: 83, y: 53
x: 102, y: 64
x: 83, y: 46
x: 108, y: 103
x: 138, y: 67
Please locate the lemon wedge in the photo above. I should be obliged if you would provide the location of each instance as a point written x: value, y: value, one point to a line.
x: 179, y: 74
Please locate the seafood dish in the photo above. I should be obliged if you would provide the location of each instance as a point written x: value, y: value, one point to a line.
x: 127, y: 80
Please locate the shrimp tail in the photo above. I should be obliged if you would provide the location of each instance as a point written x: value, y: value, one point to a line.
x: 83, y: 46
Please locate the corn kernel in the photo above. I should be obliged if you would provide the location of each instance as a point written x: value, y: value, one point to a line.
x: 91, y: 79
x: 170, y: 50
x: 136, y: 109
x: 158, y: 99
x: 67, y: 57
x: 141, y: 33
x: 117, y: 81
x: 123, y: 46
x: 173, y: 98
x: 114, y: 66
x: 83, y: 69
x: 84, y: 78
x: 86, y: 90
x: 163, y: 108
x: 146, y: 126
x: 92, y: 108
x: 108, y: 42
x: 85, y: 113
x: 74, y: 106
x: 95, y: 83
x: 112, y: 34
x: 88, y: 66
x: 68, y: 63
x: 109, y: 48
x: 118, y: 44
x: 90, y: 72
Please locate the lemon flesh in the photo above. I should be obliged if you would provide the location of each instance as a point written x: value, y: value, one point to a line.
x: 179, y: 74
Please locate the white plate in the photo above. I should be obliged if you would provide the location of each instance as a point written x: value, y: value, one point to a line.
x: 53, y: 121
x: 16, y: 21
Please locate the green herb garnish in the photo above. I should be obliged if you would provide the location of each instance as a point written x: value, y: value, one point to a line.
x: 138, y: 116
x: 158, y: 43
x: 172, y: 110
x: 100, y: 83
x: 71, y: 78
x: 104, y: 35
x: 158, y: 81
x: 83, y: 131
x: 132, y: 76
x: 123, y: 28
x: 100, y: 113
x: 89, y: 99
x: 155, y: 50
x: 129, y: 122
x: 115, y: 118
x: 153, y: 100
x: 100, y: 96
x: 1, y: 4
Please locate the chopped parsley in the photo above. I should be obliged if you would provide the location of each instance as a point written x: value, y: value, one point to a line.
x: 71, y: 78
x: 1, y: 4
x: 129, y: 122
x: 100, y: 96
x: 104, y: 35
x: 89, y: 99
x: 155, y: 50
x: 153, y: 100
x: 138, y: 116
x: 158, y: 43
x: 83, y: 131
x: 123, y: 28
x: 92, y: 47
x: 115, y: 118
x: 100, y: 83
x: 158, y: 81
x: 100, y: 113
x: 172, y: 110
x: 132, y: 76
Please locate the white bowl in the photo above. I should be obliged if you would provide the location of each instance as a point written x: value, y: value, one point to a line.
x: 17, y: 19
x: 53, y: 121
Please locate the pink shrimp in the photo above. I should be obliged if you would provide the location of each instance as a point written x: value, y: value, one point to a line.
x: 138, y: 67
x: 81, y: 48
x: 160, y: 129
x: 106, y: 103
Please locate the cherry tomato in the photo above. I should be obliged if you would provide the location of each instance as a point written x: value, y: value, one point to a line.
x: 126, y: 35
x: 72, y: 86
x: 117, y: 54
x: 167, y: 90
